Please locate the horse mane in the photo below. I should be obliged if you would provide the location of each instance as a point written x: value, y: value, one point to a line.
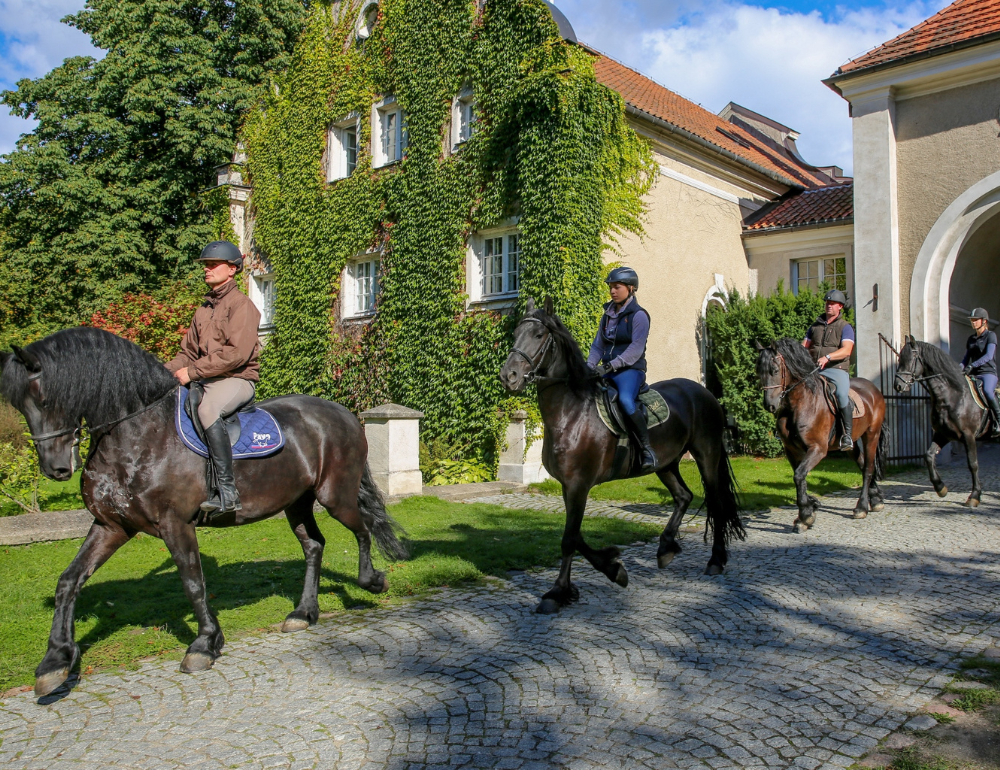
x: 939, y: 362
x: 798, y: 361
x: 91, y: 374
x: 581, y: 379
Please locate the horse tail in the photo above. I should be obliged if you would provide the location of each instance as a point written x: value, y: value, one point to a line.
x: 725, y: 506
x: 382, y: 526
x: 882, y: 453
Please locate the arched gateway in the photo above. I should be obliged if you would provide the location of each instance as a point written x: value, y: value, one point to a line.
x: 955, y: 267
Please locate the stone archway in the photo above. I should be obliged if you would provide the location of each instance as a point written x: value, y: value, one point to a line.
x: 961, y: 236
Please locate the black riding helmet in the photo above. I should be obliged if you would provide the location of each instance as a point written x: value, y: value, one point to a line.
x: 625, y: 275
x: 222, y: 251
x: 835, y: 295
x: 979, y: 312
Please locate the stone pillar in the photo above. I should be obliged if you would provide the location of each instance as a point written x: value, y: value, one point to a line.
x: 515, y: 464
x: 393, y: 434
x: 876, y: 224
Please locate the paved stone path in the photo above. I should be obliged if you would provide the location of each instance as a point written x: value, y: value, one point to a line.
x: 806, y: 653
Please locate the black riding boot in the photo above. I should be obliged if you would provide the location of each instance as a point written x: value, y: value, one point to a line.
x: 225, y: 499
x: 995, y: 414
x: 847, y: 423
x: 641, y: 434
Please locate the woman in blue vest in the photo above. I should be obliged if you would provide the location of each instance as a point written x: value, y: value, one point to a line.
x: 980, y: 361
x: 619, y: 353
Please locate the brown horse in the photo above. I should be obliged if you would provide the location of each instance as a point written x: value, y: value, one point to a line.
x: 794, y: 393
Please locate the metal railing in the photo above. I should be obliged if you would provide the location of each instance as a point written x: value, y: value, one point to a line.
x: 908, y: 414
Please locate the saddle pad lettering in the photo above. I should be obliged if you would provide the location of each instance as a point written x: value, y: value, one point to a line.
x: 657, y: 411
x: 260, y: 434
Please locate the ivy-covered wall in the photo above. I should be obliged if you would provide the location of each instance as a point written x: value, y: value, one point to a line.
x: 551, y: 147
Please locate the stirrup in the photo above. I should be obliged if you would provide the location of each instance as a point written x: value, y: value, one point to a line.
x: 846, y: 442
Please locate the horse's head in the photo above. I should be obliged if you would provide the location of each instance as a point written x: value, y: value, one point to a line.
x: 911, y: 365
x: 772, y: 375
x: 54, y: 433
x: 532, y: 347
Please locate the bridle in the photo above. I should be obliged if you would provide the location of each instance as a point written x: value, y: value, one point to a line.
x: 532, y: 375
x: 784, y: 371
x: 909, y: 378
x: 96, y: 429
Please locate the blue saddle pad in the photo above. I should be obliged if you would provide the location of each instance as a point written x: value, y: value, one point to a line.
x: 260, y: 434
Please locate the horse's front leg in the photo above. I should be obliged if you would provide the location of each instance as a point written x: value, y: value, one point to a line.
x: 807, y: 505
x: 564, y: 592
x: 930, y: 460
x: 182, y: 541
x: 63, y: 653
x: 972, y: 455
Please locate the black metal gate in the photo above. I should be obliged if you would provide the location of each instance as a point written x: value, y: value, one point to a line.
x: 908, y: 414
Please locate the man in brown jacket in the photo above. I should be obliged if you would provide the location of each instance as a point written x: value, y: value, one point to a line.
x: 220, y: 350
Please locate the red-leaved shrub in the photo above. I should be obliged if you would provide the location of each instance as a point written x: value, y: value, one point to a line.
x: 156, y: 323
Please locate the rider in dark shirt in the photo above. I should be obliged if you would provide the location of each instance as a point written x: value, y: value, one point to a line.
x: 830, y: 341
x: 980, y: 361
x: 619, y: 353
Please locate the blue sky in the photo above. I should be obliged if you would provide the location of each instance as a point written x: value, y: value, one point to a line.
x: 768, y: 56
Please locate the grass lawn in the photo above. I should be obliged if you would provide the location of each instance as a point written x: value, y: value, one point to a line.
x: 764, y: 483
x: 52, y: 496
x: 134, y: 606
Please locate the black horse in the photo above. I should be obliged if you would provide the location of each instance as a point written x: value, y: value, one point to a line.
x: 579, y: 450
x: 139, y: 477
x: 955, y: 415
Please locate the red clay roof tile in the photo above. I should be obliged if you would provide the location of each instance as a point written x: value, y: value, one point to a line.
x: 650, y: 97
x: 824, y: 205
x: 962, y: 23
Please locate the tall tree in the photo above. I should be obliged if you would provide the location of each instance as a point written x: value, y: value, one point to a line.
x: 105, y: 195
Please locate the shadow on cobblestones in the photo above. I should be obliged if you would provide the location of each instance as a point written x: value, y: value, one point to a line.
x: 810, y: 650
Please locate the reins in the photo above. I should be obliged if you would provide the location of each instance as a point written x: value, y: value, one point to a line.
x: 793, y: 386
x: 98, y: 428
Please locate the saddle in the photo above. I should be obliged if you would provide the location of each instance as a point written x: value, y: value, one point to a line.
x: 654, y: 410
x: 979, y: 396
x: 253, y: 432
x: 857, y: 405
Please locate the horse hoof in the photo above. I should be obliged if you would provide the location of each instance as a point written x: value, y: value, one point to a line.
x: 878, y: 507
x: 47, y: 684
x: 378, y: 586
x: 291, y: 625
x: 800, y: 527
x: 714, y: 569
x: 943, y: 492
x: 547, y: 607
x: 972, y: 503
x: 621, y: 578
x: 196, y: 661
x: 861, y: 514
x: 664, y: 559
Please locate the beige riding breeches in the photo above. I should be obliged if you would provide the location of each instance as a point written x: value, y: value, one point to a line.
x: 223, y: 396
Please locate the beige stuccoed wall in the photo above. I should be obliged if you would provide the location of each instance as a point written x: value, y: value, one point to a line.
x: 946, y: 142
x: 771, y: 254
x: 691, y: 235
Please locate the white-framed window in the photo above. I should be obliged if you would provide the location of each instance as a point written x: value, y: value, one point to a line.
x: 360, y: 286
x: 463, y: 117
x: 496, y: 260
x: 261, y: 291
x: 812, y: 272
x: 389, y: 132
x: 343, y: 148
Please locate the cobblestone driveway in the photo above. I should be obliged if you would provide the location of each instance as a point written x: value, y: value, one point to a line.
x: 807, y: 652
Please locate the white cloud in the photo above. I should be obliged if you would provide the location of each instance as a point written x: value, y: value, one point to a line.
x: 32, y: 42
x: 768, y: 60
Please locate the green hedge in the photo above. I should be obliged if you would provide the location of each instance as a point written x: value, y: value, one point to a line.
x: 731, y: 334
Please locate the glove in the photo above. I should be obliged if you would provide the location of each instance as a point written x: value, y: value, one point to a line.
x: 603, y: 369
x: 967, y: 369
